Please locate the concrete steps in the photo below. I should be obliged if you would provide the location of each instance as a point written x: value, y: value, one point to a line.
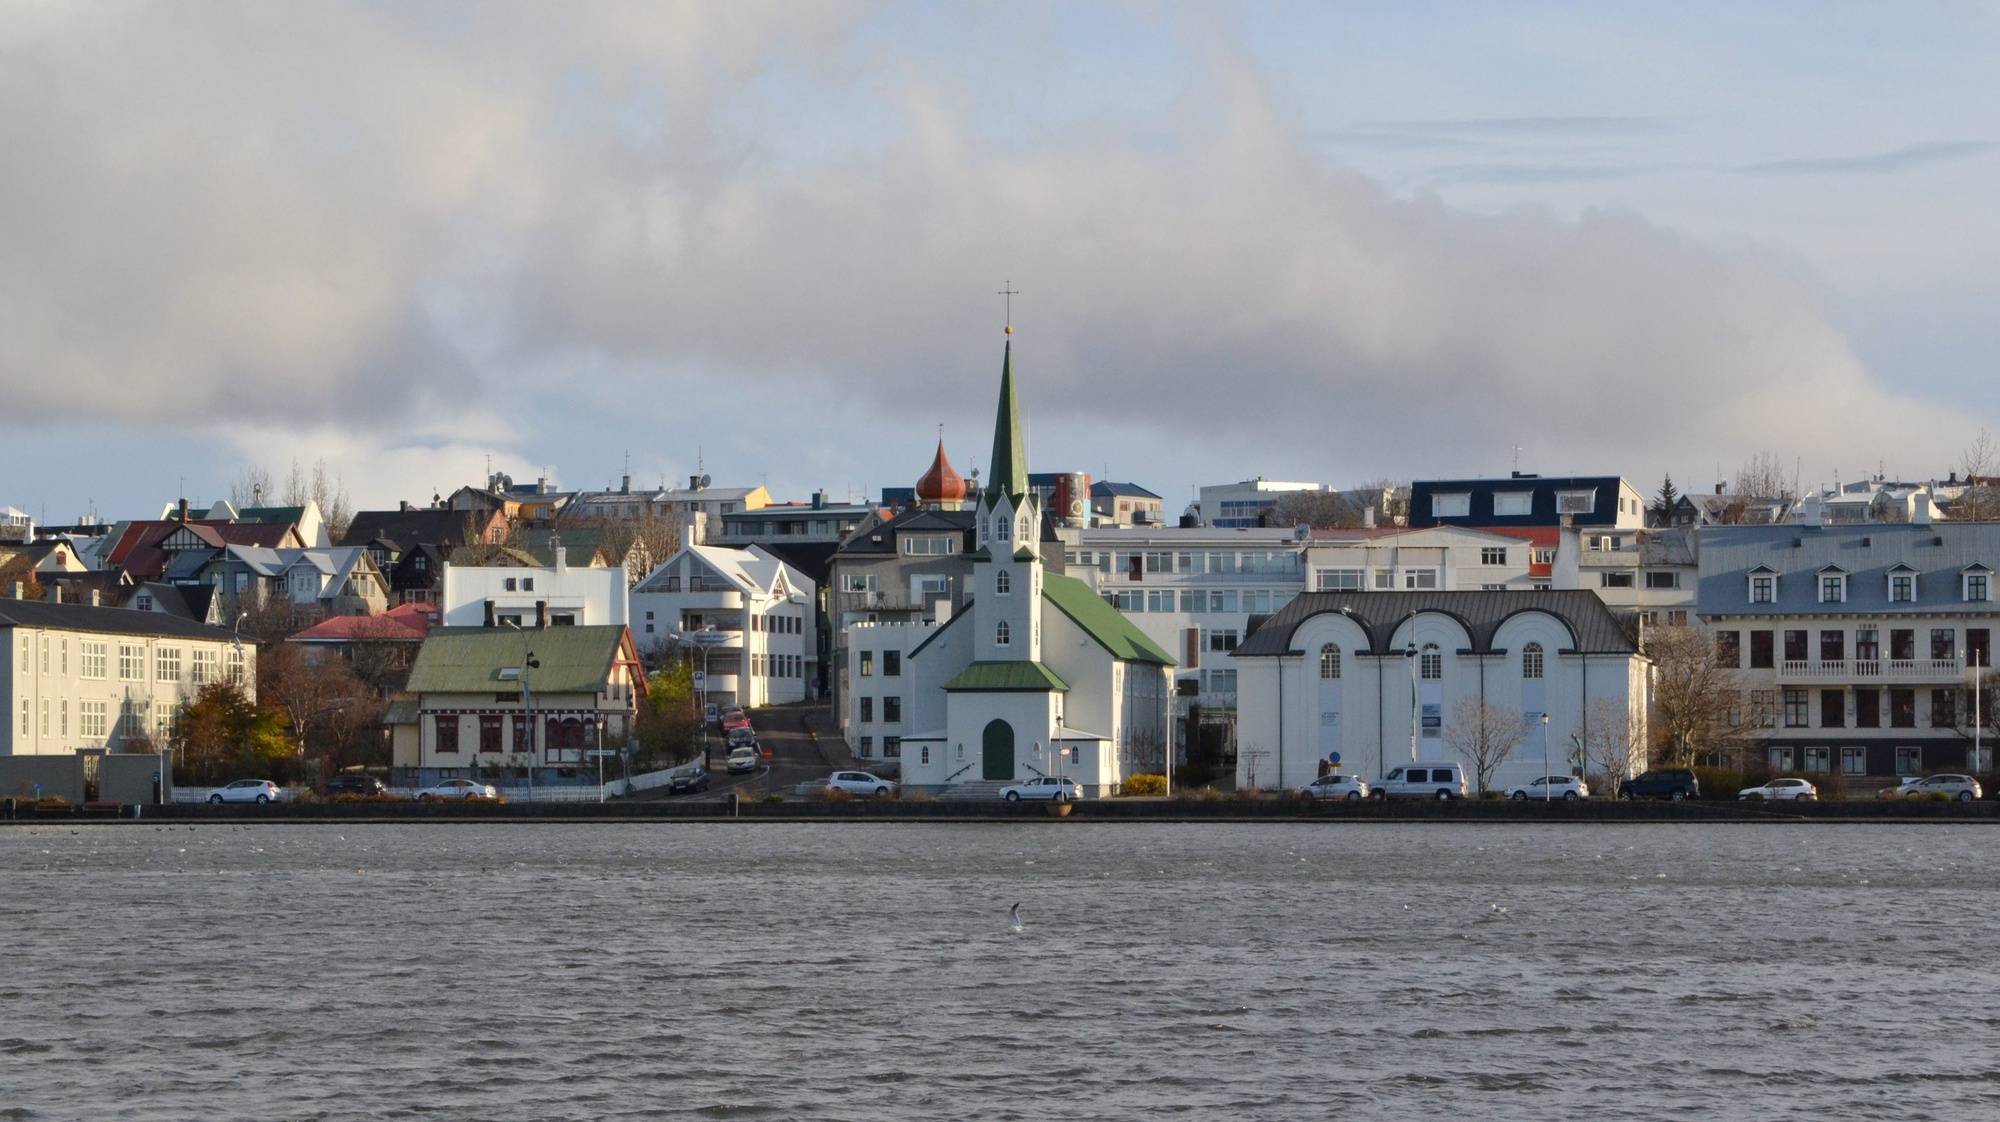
x: 976, y: 789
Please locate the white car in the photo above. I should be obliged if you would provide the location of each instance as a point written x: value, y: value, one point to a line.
x: 1962, y: 788
x: 743, y: 760
x: 1053, y: 787
x: 247, y: 791
x: 1551, y: 787
x: 861, y: 783
x: 1349, y: 788
x: 457, y: 789
x: 1778, y: 789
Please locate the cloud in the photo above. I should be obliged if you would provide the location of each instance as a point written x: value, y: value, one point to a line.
x: 1879, y: 163
x: 404, y: 238
x: 1562, y: 126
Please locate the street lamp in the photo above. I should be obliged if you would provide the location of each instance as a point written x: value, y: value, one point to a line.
x: 527, y: 701
x: 705, y: 638
x: 1410, y: 657
x: 1545, y: 756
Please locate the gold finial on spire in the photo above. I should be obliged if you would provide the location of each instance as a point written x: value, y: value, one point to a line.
x: 1008, y: 290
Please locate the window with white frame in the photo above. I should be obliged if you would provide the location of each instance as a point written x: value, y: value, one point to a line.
x: 1002, y: 634
x: 1420, y: 578
x: 1763, y: 588
x: 1329, y: 662
x: 1430, y: 663
x: 1003, y: 582
x: 1663, y: 580
x: 1531, y: 660
x: 206, y: 666
x: 131, y: 662
x: 1902, y: 586
x: 1001, y: 523
x: 930, y: 545
x: 1338, y: 580
x: 1451, y: 504
x: 1493, y: 555
x: 1832, y: 588
x: 1159, y: 600
x: 1222, y: 639
x: 94, y: 658
x: 93, y: 719
x: 167, y: 664
x: 1513, y: 504
x: 1976, y: 584
x: 1385, y: 579
x: 1576, y: 502
x: 1541, y: 556
x: 856, y: 582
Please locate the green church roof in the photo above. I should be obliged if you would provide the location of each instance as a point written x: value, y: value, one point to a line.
x: 1101, y: 621
x: 1006, y: 677
x: 1009, y: 475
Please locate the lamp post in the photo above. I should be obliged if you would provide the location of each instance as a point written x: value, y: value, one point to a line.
x: 705, y: 638
x: 1410, y: 657
x: 1545, y: 756
x: 527, y: 702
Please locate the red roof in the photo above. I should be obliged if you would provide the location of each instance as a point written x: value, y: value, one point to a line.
x: 138, y: 551
x: 404, y: 623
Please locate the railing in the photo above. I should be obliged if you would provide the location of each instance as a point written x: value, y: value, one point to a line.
x: 959, y: 772
x: 1872, y: 669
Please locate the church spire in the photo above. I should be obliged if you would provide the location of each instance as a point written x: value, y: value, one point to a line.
x: 1010, y: 464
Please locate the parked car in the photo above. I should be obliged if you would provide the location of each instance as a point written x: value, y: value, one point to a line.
x: 1422, y: 781
x: 1964, y: 788
x: 1054, y: 787
x: 1551, y: 787
x: 1790, y: 789
x: 690, y: 777
x: 743, y: 760
x: 744, y: 737
x: 1903, y: 788
x: 735, y: 719
x: 1665, y: 783
x: 860, y: 783
x: 457, y: 789
x: 356, y: 783
x: 1349, y: 788
x: 247, y: 791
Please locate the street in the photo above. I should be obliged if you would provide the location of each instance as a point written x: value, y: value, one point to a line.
x: 795, y: 759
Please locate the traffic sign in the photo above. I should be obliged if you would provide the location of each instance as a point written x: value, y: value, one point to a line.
x: 600, y: 753
x: 712, y: 711
x: 700, y: 681
x: 1333, y: 757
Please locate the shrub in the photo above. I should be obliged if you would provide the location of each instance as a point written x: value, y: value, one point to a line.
x: 1832, y: 786
x: 1252, y: 793
x: 1197, y: 794
x: 774, y: 798
x: 1144, y: 784
x: 831, y: 795
x: 916, y: 795
x: 52, y: 802
x: 1717, y: 782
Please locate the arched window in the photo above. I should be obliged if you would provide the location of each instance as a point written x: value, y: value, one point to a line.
x: 1329, y: 661
x: 1531, y: 660
x: 1000, y: 524
x: 1026, y: 534
x: 1431, y: 662
x: 1001, y: 635
x: 1003, y: 583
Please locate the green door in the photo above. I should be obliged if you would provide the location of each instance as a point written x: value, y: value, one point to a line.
x: 999, y: 751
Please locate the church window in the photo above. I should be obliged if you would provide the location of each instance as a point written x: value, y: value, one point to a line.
x: 1001, y: 635
x: 1432, y: 663
x: 1003, y: 583
x: 1329, y: 661
x: 1000, y: 524
x: 1531, y: 661
x: 1025, y: 535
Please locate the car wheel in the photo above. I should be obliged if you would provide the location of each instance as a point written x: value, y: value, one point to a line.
x: 1444, y: 796
x: 881, y: 792
x: 1569, y: 796
x: 263, y: 799
x: 1354, y: 796
x: 1677, y: 796
x: 1013, y: 796
x: 1625, y: 796
x: 1062, y: 796
x: 1520, y: 796
x: 215, y: 798
x: 1965, y: 796
x: 426, y: 797
x: 1380, y: 796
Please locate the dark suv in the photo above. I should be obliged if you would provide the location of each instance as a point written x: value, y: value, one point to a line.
x: 1666, y: 783
x: 353, y: 783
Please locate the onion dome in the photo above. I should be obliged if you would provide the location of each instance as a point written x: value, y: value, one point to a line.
x: 941, y: 484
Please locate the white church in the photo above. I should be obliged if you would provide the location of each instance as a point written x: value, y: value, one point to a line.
x: 1036, y: 675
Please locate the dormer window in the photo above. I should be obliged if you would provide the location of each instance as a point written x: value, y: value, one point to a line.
x: 1000, y: 526
x: 1902, y: 585
x: 1976, y: 583
x: 1451, y: 504
x: 1833, y: 585
x: 1763, y: 585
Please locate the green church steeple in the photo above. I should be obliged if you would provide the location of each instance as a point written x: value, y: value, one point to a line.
x: 1009, y: 475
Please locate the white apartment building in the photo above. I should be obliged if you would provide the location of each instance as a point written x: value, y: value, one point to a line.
x: 1439, y: 558
x: 558, y: 595
x: 753, y: 615
x: 1650, y: 574
x: 1193, y: 591
x: 1238, y: 505
x: 878, y: 702
x: 74, y: 676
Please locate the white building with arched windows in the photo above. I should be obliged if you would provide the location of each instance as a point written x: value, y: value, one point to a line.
x: 1380, y: 677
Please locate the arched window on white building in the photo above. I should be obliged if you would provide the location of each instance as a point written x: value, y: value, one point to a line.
x: 1431, y: 663
x: 1329, y: 661
x: 1531, y: 660
x: 1001, y: 634
x: 1000, y: 524
x: 1003, y: 583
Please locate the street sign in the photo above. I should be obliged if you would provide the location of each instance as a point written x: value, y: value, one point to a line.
x: 713, y: 711
x: 701, y: 681
x: 600, y: 753
x: 710, y: 638
x: 1333, y: 757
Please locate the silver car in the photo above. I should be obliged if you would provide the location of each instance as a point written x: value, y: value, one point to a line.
x: 861, y: 783
x: 1052, y: 787
x: 246, y: 791
x: 1964, y: 788
x: 1347, y: 788
x: 1551, y: 787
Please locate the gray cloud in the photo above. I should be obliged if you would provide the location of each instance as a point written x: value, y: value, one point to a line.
x: 1879, y: 163
x: 345, y: 218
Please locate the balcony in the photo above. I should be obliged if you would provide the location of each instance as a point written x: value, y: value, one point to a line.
x: 1871, y: 670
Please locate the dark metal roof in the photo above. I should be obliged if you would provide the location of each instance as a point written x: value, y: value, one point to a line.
x: 117, y: 621
x: 1106, y: 489
x: 1592, y: 626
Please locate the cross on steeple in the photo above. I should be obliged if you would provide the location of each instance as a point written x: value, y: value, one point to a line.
x: 1008, y: 290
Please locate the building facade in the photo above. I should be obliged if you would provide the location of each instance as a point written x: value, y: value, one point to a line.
x: 1650, y: 575
x: 754, y: 616
x: 1244, y: 505
x: 558, y: 595
x: 1854, y: 646
x: 1523, y: 500
x: 1381, y: 679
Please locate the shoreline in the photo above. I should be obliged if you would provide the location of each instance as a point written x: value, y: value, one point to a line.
x: 1104, y: 811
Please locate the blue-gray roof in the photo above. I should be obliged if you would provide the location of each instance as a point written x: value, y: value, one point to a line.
x: 1104, y: 489
x: 1940, y: 553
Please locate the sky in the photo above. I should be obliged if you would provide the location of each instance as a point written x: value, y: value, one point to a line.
x: 1327, y: 242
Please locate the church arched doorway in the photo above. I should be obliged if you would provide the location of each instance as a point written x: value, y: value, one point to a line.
x: 998, y: 759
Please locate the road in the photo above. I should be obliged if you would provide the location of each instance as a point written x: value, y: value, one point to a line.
x: 795, y: 759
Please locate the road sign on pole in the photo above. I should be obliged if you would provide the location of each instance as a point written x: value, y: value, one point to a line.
x: 701, y: 681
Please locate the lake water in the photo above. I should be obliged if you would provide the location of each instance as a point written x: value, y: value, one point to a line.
x: 849, y: 971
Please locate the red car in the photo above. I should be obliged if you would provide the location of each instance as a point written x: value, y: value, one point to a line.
x: 735, y: 719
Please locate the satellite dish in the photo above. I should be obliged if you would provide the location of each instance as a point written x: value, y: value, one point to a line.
x: 1301, y: 532
x: 704, y: 481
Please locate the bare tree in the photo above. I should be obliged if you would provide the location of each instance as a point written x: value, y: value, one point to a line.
x: 1693, y: 694
x: 1762, y: 476
x: 1613, y: 746
x: 1322, y: 510
x: 1391, y: 498
x: 251, y: 487
x: 1981, y: 500
x: 1484, y: 734
x: 329, y: 492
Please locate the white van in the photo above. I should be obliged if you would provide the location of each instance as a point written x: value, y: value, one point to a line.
x: 1422, y: 781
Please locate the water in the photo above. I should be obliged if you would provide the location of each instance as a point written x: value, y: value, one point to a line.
x: 848, y: 971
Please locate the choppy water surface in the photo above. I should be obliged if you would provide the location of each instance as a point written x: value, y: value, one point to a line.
x: 866, y: 972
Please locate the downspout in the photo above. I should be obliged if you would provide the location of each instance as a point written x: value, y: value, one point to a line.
x: 1281, y: 724
x: 1381, y: 729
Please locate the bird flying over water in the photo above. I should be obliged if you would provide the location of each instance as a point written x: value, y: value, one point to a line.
x: 1014, y: 919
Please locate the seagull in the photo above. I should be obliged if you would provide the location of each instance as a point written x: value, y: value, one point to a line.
x: 1014, y: 919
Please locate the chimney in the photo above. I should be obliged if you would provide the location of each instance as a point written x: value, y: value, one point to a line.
x: 96, y: 598
x: 1718, y: 488
x: 694, y: 482
x: 561, y: 552
x: 403, y: 505
x: 541, y: 613
x: 819, y: 500
x: 54, y: 593
x: 1368, y: 517
x: 625, y: 485
x: 687, y: 530
x: 184, y: 511
x: 490, y: 621
x: 1920, y: 505
x: 20, y: 590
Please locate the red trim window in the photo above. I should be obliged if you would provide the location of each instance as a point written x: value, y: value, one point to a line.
x: 489, y: 732
x: 446, y: 736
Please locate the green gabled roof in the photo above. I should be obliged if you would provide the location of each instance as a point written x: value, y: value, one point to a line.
x: 1101, y: 621
x: 1007, y: 677
x: 1009, y: 474
x: 469, y: 659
